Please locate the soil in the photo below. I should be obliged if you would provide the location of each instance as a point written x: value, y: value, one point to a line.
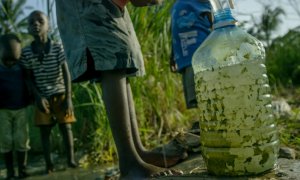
x: 193, y: 168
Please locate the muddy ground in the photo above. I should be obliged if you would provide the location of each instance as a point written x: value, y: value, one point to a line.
x: 193, y: 168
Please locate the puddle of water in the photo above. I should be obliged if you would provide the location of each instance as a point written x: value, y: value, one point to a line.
x: 194, y: 169
x: 62, y: 173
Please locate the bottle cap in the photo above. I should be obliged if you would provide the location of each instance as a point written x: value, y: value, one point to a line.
x: 222, y: 4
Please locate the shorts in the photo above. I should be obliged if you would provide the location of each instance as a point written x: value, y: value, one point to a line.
x: 57, y: 112
x: 14, y: 131
x: 104, y: 31
x: 189, y: 87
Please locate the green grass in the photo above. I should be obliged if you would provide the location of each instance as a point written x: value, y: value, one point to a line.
x: 289, y: 127
x: 158, y: 96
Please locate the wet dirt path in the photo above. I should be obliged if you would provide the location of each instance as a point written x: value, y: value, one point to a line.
x: 193, y: 168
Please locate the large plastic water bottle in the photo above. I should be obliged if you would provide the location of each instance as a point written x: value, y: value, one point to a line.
x: 238, y: 131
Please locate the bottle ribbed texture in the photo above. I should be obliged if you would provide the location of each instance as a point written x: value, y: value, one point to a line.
x: 238, y: 131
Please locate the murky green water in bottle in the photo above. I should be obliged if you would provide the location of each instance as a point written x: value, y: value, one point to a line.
x: 238, y: 132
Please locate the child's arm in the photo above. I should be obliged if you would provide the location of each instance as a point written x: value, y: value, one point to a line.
x: 173, y: 66
x: 41, y: 102
x: 172, y: 61
x: 68, y: 87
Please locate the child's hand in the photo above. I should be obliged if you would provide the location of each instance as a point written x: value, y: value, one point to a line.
x: 43, y: 105
x: 68, y: 106
x: 173, y: 66
x: 159, y: 1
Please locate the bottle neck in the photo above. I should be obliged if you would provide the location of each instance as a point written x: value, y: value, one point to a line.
x: 224, y: 18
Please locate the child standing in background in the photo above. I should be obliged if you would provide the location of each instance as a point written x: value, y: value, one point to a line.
x: 14, y: 103
x: 49, y: 79
x: 191, y: 24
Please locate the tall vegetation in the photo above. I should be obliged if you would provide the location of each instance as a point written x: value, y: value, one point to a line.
x: 295, y: 4
x: 283, y: 59
x: 158, y: 95
x: 12, y: 17
x: 268, y: 24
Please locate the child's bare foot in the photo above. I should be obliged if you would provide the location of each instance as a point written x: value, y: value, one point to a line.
x: 161, y: 159
x: 144, y: 171
x: 167, y: 172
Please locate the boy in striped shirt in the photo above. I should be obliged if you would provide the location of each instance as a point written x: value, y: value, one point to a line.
x: 49, y: 79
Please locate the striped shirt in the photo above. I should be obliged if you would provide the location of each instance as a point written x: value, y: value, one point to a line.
x: 47, y: 70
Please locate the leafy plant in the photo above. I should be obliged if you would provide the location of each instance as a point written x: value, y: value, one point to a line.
x: 269, y: 23
x: 12, y: 19
x: 158, y: 95
x: 283, y: 59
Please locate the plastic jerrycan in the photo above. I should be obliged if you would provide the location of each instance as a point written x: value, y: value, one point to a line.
x: 238, y: 132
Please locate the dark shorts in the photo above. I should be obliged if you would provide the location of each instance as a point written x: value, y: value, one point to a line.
x: 101, y: 30
x: 189, y: 87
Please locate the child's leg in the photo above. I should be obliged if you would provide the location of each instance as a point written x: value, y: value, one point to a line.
x: 6, y: 140
x: 67, y: 134
x: 116, y: 102
x: 45, y: 131
x: 134, y: 125
x: 21, y: 139
x: 155, y: 158
x: 8, y: 159
x: 22, y: 159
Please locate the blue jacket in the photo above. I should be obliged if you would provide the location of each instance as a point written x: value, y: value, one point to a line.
x: 189, y: 27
